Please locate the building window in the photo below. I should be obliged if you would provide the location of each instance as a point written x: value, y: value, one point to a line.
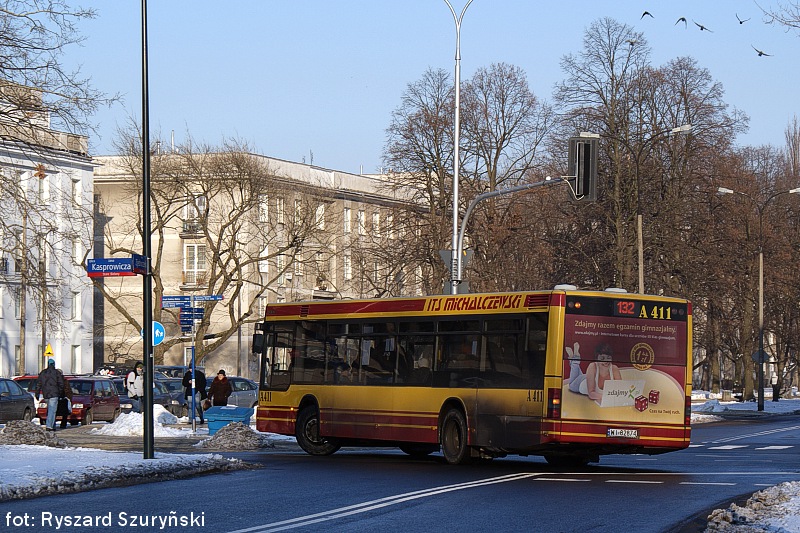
x: 76, y: 193
x: 280, y: 265
x: 194, y: 264
x: 263, y: 263
x: 263, y: 208
x: 195, y: 208
x: 42, y: 184
x: 298, y: 212
x: 280, y: 210
x: 347, y: 220
x: 320, y: 216
x: 261, y: 307
x: 75, y: 307
x: 361, y: 222
x: 347, y: 266
x: 390, y: 227
x: 74, y: 358
x: 17, y: 304
x: 376, y: 223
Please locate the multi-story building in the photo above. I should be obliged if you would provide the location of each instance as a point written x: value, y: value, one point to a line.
x: 248, y: 229
x: 45, y: 296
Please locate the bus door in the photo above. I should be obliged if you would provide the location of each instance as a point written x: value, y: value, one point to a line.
x: 510, y: 395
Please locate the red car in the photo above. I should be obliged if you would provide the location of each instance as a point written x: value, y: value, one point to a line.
x: 30, y: 383
x: 93, y: 398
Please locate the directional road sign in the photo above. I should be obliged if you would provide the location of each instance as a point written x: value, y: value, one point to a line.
x: 139, y: 264
x: 186, y: 301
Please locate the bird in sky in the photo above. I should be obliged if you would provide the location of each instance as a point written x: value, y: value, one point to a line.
x: 740, y: 20
x: 760, y: 53
x: 646, y: 13
x: 702, y: 28
x: 682, y: 19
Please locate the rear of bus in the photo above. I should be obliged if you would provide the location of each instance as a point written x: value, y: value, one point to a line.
x: 624, y: 370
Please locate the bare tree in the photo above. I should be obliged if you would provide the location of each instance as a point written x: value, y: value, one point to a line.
x: 243, y: 226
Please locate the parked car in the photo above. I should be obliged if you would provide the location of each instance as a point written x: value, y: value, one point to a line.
x: 161, y: 395
x: 113, y: 369
x: 15, y: 402
x: 176, y: 371
x: 179, y: 405
x: 93, y: 398
x: 245, y: 392
x: 30, y: 383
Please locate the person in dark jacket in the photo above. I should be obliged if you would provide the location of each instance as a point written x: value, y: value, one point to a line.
x: 220, y: 389
x: 65, y: 404
x: 200, y: 390
x: 51, y: 388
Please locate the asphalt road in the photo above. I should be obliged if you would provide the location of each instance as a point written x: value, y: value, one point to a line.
x: 372, y: 489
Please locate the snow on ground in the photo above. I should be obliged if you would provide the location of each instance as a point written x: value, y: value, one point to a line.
x: 29, y: 470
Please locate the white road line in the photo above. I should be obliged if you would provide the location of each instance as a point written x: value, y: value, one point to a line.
x: 759, y: 434
x: 728, y: 447
x: 559, y: 479
x: 775, y: 448
x: 349, y: 510
x: 704, y: 483
x: 641, y: 482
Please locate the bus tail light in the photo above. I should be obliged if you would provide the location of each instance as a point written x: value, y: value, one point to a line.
x: 687, y: 412
x: 553, y: 403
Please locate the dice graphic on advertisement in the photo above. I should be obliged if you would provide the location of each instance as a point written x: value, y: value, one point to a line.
x: 653, y: 396
x: 641, y: 403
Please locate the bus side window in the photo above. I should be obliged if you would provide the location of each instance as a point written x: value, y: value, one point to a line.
x: 536, y: 349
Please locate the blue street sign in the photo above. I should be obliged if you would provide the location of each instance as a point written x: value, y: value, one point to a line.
x: 186, y: 301
x: 159, y: 333
x: 209, y: 297
x: 139, y: 264
x: 109, y: 266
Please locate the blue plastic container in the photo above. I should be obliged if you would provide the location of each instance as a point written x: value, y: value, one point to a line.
x: 221, y: 416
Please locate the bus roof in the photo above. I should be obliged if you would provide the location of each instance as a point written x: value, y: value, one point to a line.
x: 479, y: 303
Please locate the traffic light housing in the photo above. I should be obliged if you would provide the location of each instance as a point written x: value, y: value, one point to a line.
x: 582, y: 168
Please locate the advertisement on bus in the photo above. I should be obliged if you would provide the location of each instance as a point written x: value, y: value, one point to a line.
x: 624, y: 361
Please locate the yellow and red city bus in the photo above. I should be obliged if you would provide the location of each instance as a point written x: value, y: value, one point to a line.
x: 566, y: 374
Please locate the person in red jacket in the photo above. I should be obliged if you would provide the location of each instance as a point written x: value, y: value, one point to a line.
x: 220, y: 389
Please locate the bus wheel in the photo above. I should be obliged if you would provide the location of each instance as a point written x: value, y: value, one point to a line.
x: 307, y: 433
x: 419, y: 450
x: 453, y: 436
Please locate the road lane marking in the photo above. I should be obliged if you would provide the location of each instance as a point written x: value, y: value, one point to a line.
x: 637, y: 481
x: 775, y: 448
x: 728, y: 447
x: 759, y: 434
x: 705, y: 483
x: 350, y: 510
x: 560, y: 479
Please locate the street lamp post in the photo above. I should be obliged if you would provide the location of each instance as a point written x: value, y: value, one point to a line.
x: 679, y: 130
x: 760, y: 208
x: 455, y: 260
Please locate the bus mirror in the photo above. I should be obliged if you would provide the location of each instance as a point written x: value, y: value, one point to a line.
x: 258, y: 340
x: 582, y: 168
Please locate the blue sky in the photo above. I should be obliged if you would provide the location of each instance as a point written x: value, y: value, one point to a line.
x: 298, y: 79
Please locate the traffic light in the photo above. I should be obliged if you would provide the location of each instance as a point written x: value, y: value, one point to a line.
x: 583, y: 168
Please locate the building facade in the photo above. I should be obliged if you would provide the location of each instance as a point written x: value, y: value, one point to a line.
x: 45, y: 296
x: 231, y: 233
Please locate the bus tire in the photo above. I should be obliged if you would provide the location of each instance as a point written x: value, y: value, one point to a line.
x: 307, y: 433
x: 453, y: 438
x: 419, y: 451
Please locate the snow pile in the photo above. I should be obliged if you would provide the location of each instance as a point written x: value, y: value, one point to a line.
x: 132, y: 425
x: 773, y: 509
x: 22, y: 432
x: 711, y: 406
x: 31, y: 471
x: 236, y: 436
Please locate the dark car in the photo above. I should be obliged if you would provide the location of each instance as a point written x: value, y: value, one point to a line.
x: 179, y: 405
x: 15, y: 402
x: 113, y: 369
x: 176, y: 371
x: 161, y: 395
x: 30, y: 383
x: 93, y: 398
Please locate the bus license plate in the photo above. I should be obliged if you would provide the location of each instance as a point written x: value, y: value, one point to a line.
x: 624, y: 433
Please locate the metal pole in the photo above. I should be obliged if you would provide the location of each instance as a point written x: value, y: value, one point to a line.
x: 455, y: 267
x: 147, y: 282
x: 760, y: 330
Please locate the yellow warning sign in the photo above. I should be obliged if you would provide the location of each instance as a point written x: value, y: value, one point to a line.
x: 48, y: 351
